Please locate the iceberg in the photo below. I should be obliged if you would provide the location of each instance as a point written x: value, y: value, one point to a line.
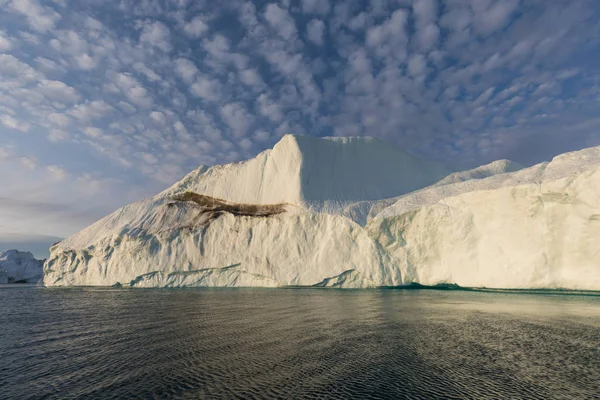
x: 350, y: 213
x: 20, y: 267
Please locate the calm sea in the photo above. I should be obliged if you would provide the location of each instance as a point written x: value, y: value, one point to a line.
x: 297, y: 343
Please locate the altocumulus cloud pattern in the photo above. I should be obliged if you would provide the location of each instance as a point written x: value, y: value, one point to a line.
x: 102, y: 103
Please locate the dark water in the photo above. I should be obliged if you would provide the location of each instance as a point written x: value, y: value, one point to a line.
x: 257, y: 343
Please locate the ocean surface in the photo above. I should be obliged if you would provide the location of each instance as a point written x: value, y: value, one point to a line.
x: 297, y: 343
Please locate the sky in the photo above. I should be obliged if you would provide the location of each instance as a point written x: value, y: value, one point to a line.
x: 105, y: 102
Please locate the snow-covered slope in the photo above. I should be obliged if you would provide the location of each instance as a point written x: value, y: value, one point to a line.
x: 534, y: 228
x: 350, y: 212
x: 363, y: 211
x: 20, y: 266
x: 316, y: 172
x: 485, y: 171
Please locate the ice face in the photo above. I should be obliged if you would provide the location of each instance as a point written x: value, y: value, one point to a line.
x: 19, y: 266
x: 350, y: 212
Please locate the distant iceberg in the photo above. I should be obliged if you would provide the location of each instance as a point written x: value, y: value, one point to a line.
x: 20, y: 267
x: 350, y: 213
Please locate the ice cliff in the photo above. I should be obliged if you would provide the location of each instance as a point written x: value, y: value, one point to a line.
x: 20, y: 266
x: 350, y: 212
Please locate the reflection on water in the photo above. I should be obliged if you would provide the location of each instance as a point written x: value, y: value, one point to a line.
x: 257, y: 343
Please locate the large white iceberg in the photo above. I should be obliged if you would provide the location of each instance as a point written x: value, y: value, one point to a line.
x: 350, y: 212
x: 20, y: 266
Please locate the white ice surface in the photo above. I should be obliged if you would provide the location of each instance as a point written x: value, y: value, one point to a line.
x: 20, y: 266
x: 359, y: 213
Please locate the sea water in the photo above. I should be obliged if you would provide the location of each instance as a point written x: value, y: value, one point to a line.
x: 301, y: 343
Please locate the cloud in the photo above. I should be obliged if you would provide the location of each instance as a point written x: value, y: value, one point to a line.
x: 77, y: 48
x: 146, y: 71
x: 427, y: 36
x: 69, y: 42
x: 388, y: 40
x: 484, y: 97
x: 206, y: 88
x: 156, y: 34
x: 93, y: 132
x: 245, y: 144
x: 90, y: 110
x: 57, y: 135
x: 158, y: 117
x: 425, y: 11
x: 49, y: 66
x: 12, y: 67
x: 496, y: 16
x: 281, y: 21
x: 196, y: 27
x: 261, y: 135
x: 269, y: 108
x: 185, y: 69
x: 181, y: 129
x: 316, y: 7
x: 219, y: 48
x: 59, y: 119
x: 28, y: 162
x: 315, y: 30
x: 61, y: 3
x: 5, y: 154
x: 40, y: 18
x: 14, y: 123
x: 417, y: 65
x: 457, y: 21
x: 57, y: 173
x: 5, y: 43
x: 251, y: 77
x: 58, y: 91
x: 93, y: 24
x: 132, y: 89
x: 128, y: 108
x: 85, y: 62
x: 237, y: 118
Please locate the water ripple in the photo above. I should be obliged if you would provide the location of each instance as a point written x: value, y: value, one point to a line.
x: 322, y: 344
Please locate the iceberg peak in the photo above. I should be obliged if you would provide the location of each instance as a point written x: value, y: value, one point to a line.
x: 311, y: 172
